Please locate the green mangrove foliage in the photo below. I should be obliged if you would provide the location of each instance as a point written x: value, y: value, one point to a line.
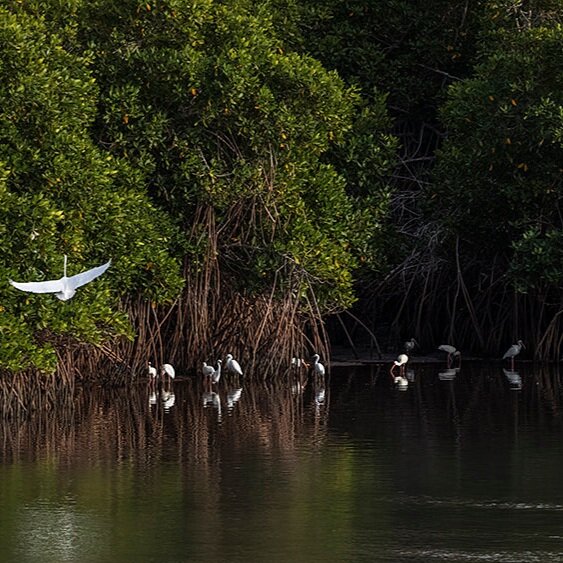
x: 209, y: 101
x: 170, y: 133
x: 498, y: 177
x: 60, y: 194
x: 476, y: 196
x: 241, y: 150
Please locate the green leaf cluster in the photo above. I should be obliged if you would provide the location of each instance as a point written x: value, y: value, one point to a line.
x: 498, y: 178
x: 60, y: 194
x: 215, y: 106
x: 121, y: 121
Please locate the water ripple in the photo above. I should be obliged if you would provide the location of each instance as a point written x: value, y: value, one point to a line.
x: 486, y: 504
x: 497, y: 557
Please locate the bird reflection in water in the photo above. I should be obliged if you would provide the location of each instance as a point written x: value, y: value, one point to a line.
x: 298, y: 387
x: 448, y: 374
x: 168, y: 399
x: 212, y: 399
x: 233, y: 396
x: 514, y: 379
x: 320, y: 396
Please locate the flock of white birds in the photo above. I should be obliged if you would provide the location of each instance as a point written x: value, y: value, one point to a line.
x: 453, y: 359
x: 212, y: 374
x: 65, y: 288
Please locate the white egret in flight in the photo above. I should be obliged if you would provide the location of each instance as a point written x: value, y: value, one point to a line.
x: 63, y: 288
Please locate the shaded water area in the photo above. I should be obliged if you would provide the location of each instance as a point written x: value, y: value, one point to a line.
x: 461, y: 466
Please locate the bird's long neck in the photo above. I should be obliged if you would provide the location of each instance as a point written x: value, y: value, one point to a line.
x: 64, y: 272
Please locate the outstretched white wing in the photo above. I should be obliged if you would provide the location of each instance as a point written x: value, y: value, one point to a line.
x: 51, y: 286
x: 84, y: 277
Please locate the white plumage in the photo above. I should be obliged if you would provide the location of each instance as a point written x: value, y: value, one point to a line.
x: 232, y: 365
x: 447, y: 348
x: 318, y: 368
x: 400, y: 362
x: 167, y: 370
x: 452, y: 353
x: 63, y: 288
x: 216, y: 373
x: 513, y: 351
x: 207, y: 370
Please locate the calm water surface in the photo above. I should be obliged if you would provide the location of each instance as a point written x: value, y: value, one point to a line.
x: 459, y: 467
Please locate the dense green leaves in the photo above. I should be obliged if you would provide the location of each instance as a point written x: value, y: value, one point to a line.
x: 217, y: 109
x: 164, y: 134
x: 123, y: 120
x: 499, y: 174
x: 59, y: 194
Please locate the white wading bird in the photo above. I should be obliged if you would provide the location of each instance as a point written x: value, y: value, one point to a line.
x: 211, y: 374
x: 63, y: 288
x: 207, y: 371
x: 217, y: 373
x: 318, y: 368
x: 452, y: 353
x: 400, y: 379
x: 152, y: 373
x: 513, y: 351
x: 232, y: 365
x: 168, y: 371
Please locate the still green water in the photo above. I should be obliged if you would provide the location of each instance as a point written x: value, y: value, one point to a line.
x: 463, y: 466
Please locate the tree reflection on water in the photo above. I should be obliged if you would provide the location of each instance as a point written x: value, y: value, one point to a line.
x: 308, y: 469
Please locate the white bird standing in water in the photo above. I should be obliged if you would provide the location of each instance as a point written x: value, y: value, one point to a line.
x: 167, y: 370
x: 63, y: 288
x: 513, y: 351
x: 232, y: 365
x: 401, y: 362
x: 207, y: 371
x: 152, y: 372
x: 318, y: 368
x: 216, y: 375
x: 452, y: 353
